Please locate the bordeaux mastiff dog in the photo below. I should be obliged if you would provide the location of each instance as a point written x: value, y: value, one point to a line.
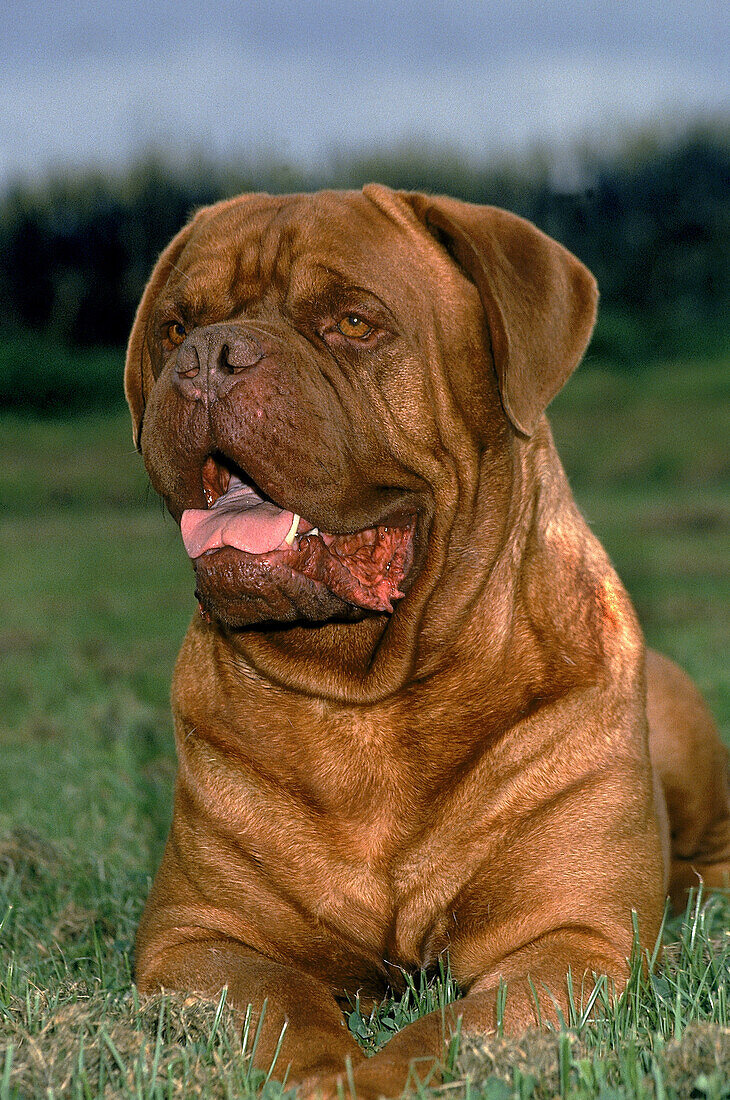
x: 415, y: 714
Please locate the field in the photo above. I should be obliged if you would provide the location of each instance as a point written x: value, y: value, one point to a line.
x: 96, y: 596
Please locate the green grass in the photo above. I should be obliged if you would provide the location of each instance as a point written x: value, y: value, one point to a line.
x: 70, y: 379
x: 96, y: 596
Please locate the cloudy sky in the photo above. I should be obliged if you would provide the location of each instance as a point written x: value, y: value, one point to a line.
x: 94, y: 82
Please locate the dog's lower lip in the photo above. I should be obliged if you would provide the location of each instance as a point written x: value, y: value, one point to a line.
x: 366, y: 569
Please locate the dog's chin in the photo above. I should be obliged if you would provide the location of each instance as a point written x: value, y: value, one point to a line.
x: 240, y: 591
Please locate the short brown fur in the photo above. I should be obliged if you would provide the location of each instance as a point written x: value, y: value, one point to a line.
x: 359, y: 794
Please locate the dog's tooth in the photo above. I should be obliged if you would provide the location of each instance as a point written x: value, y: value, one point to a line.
x: 292, y: 534
x: 314, y: 531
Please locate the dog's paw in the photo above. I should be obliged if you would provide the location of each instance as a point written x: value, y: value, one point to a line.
x: 377, y: 1078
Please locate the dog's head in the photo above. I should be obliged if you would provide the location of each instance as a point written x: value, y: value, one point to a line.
x: 314, y: 380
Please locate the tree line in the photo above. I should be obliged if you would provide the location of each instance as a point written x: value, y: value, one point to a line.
x: 651, y: 220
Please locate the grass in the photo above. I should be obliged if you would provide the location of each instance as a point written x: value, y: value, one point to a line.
x: 96, y: 597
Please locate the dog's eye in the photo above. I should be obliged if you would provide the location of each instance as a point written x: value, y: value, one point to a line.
x: 354, y: 327
x: 176, y: 333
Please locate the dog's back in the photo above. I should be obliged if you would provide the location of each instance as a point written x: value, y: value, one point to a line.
x: 692, y: 766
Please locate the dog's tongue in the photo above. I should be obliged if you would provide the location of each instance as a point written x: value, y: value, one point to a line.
x: 239, y: 518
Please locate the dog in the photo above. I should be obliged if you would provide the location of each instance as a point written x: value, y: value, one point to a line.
x: 415, y: 714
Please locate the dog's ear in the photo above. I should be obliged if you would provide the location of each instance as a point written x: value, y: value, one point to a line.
x: 539, y: 300
x: 138, y: 368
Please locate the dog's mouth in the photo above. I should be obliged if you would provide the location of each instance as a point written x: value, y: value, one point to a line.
x: 366, y: 568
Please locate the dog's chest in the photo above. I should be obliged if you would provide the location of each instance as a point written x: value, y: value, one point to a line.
x: 367, y: 883
x: 338, y: 820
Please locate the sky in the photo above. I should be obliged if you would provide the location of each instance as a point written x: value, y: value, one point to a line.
x: 99, y: 83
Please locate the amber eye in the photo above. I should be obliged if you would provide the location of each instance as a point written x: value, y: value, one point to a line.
x: 176, y: 333
x: 354, y: 327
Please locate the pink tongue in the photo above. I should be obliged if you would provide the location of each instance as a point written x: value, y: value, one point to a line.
x: 239, y: 518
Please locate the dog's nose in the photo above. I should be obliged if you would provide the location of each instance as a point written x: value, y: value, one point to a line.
x: 213, y: 356
x: 237, y: 353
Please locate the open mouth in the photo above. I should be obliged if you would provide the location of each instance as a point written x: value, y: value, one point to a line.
x: 364, y: 568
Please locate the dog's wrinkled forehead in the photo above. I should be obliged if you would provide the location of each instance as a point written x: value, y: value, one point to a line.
x: 297, y: 250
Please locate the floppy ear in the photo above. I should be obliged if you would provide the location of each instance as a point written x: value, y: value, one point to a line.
x: 539, y: 300
x: 138, y: 368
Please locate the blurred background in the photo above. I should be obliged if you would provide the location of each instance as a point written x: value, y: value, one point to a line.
x: 608, y: 124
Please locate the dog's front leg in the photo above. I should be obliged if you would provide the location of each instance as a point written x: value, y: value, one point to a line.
x: 302, y: 1020
x: 538, y: 969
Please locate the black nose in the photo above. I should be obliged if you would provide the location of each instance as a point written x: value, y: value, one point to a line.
x: 213, y: 356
